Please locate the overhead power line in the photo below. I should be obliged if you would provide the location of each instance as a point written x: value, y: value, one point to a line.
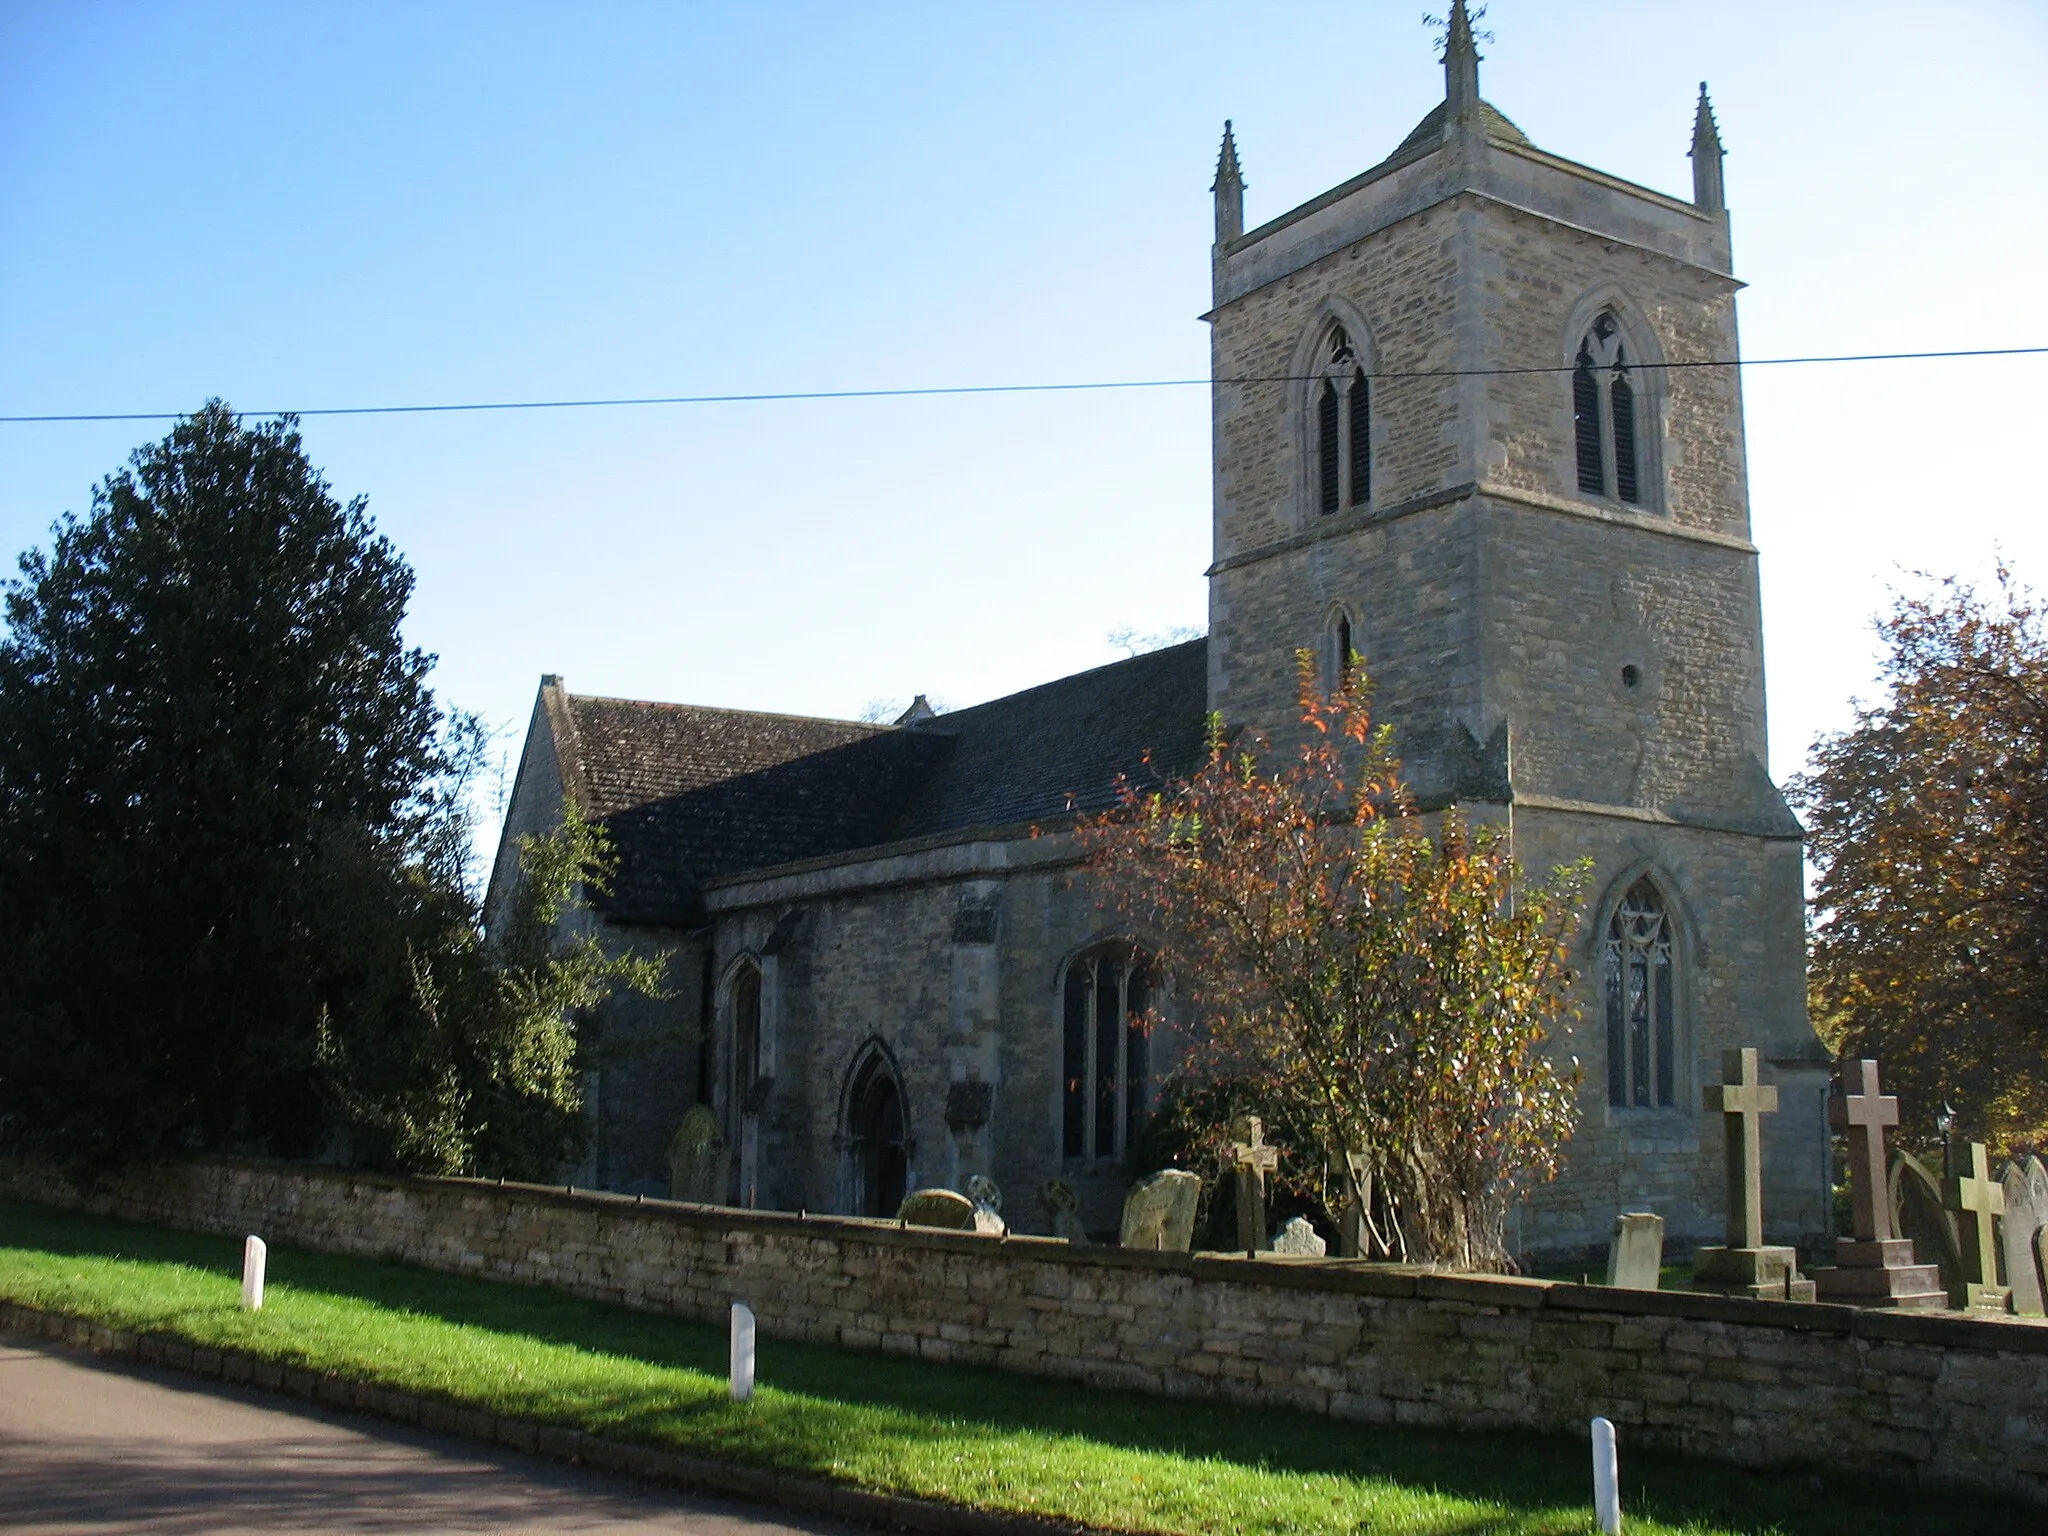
x: 769, y: 397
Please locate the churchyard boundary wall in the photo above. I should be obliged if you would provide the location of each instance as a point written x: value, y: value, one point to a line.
x: 1939, y: 1399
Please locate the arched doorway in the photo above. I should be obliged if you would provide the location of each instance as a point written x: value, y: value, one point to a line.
x: 877, y: 1157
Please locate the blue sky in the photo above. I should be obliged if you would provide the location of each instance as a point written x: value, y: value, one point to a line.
x: 307, y: 205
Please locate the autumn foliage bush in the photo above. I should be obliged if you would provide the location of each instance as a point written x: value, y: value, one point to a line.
x: 1387, y: 976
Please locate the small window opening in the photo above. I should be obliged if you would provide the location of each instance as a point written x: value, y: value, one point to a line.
x: 1630, y: 676
x: 1343, y: 448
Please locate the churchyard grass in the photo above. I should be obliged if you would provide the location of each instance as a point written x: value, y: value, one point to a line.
x: 990, y: 1439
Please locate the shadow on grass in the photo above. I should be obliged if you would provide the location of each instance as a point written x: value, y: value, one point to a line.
x: 905, y: 1395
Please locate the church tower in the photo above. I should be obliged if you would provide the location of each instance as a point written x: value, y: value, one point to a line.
x: 1454, y: 431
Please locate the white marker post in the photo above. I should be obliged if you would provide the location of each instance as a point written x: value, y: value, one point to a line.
x: 1606, y: 1478
x: 253, y: 1255
x: 742, y: 1351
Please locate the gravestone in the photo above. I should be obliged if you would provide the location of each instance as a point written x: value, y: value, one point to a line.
x: 1635, y: 1259
x: 1159, y: 1212
x: 1064, y: 1207
x: 696, y: 1158
x: 1917, y: 1216
x: 1249, y: 1161
x: 1874, y: 1265
x: 1299, y: 1239
x: 1977, y: 1200
x: 1744, y: 1266
x: 2026, y: 1215
x: 988, y: 1205
x: 946, y: 1209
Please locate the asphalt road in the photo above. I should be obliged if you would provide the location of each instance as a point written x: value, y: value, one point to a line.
x: 91, y: 1446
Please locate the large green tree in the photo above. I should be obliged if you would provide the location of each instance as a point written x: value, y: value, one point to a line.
x: 232, y: 902
x: 1928, y: 825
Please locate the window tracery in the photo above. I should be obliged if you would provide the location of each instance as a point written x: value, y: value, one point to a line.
x: 1343, y: 446
x: 1606, y: 429
x: 1641, y: 997
x: 1105, y: 1050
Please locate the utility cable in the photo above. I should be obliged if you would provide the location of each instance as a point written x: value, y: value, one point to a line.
x: 769, y: 397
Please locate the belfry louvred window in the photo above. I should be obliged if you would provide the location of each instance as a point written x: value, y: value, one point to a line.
x: 1343, y: 426
x: 1105, y: 1055
x: 1605, y: 432
x: 1641, y: 998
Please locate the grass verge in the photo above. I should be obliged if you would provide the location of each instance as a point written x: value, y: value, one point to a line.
x: 986, y: 1439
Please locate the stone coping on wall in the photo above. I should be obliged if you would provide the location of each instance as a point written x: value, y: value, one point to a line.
x: 1942, y: 1398
x: 1956, y: 1330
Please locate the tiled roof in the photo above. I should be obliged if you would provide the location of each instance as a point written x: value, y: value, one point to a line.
x: 1062, y: 745
x: 1492, y: 121
x: 691, y: 794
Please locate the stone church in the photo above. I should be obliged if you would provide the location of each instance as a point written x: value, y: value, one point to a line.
x: 1452, y: 429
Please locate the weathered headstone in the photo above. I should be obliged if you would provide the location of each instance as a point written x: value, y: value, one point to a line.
x: 1744, y: 1266
x: 1064, y: 1207
x: 1635, y: 1259
x: 988, y: 1205
x: 1159, y: 1212
x: 1976, y: 1200
x: 944, y: 1208
x: 1874, y: 1265
x: 1250, y: 1161
x: 696, y: 1158
x: 2026, y: 1216
x: 1300, y: 1239
x: 1917, y: 1215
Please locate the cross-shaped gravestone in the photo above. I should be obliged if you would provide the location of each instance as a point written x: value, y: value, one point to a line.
x: 1251, y: 1160
x: 1742, y: 1101
x: 1976, y: 1198
x: 1862, y: 1111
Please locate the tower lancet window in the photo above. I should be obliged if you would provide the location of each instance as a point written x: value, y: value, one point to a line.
x: 1604, y: 414
x: 1343, y: 399
x: 1337, y: 651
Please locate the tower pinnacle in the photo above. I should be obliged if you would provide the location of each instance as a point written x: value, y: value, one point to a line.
x: 1229, y: 190
x: 1461, y: 63
x: 1707, y: 192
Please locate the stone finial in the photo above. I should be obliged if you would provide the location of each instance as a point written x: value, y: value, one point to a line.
x: 1229, y: 190
x: 1707, y: 193
x: 1461, y: 63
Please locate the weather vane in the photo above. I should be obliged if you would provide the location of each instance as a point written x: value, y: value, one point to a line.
x: 1442, y: 26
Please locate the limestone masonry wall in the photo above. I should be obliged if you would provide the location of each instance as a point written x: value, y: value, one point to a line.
x: 1938, y: 1399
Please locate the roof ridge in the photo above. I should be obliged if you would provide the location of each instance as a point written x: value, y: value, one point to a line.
x: 1071, y: 677
x: 722, y: 709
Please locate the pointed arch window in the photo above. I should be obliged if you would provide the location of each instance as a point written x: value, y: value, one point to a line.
x: 745, y: 992
x: 1105, y: 1050
x: 1343, y: 424
x: 1338, y: 648
x: 1641, y: 998
x: 1606, y: 429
